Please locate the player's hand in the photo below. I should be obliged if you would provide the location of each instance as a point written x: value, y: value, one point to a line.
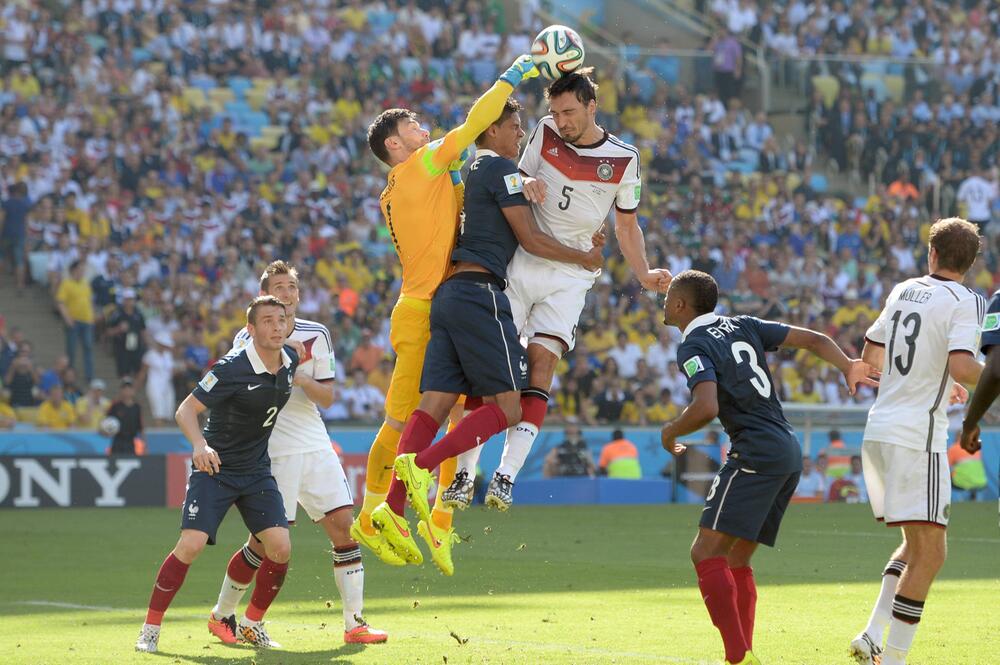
x: 298, y: 347
x: 594, y: 259
x: 534, y: 190
x: 522, y: 70
x: 970, y: 441
x: 860, y: 372
x: 959, y: 395
x: 657, y: 279
x: 600, y: 237
x: 206, y: 459
x: 670, y: 444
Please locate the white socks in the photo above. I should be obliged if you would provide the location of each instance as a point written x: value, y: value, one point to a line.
x: 516, y: 448
x: 906, y: 615
x: 229, y: 597
x: 882, y: 612
x: 350, y: 577
x: 468, y: 461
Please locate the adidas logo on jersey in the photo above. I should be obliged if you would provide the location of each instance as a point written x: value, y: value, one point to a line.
x: 554, y: 152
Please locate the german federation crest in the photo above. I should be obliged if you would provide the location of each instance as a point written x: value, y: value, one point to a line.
x: 604, y: 172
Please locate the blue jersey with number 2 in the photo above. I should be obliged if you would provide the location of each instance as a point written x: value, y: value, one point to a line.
x: 731, y: 352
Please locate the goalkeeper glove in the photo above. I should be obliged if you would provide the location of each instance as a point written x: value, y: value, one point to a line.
x: 522, y: 69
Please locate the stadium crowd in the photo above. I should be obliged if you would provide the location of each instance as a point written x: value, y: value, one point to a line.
x: 154, y: 156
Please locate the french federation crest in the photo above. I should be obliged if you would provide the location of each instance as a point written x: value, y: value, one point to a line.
x: 604, y: 172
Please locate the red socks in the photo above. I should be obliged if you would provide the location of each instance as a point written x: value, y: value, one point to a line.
x: 746, y: 600
x: 168, y: 581
x: 475, y: 428
x: 419, y: 432
x: 534, y: 405
x: 718, y: 590
x: 270, y: 577
x: 243, y: 566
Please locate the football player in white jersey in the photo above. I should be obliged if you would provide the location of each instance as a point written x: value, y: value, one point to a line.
x: 575, y: 173
x: 925, y: 339
x: 307, y: 470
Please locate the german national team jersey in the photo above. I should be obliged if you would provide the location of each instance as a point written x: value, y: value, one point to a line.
x: 486, y: 238
x: 582, y: 183
x: 300, y: 428
x: 924, y: 320
x: 991, y: 324
x: 244, y: 400
x: 731, y: 352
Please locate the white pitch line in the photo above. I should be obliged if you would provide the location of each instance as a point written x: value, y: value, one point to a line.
x: 73, y: 606
x: 893, y: 535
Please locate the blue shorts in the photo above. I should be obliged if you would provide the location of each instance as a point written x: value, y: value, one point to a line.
x: 474, y: 347
x: 208, y: 498
x: 748, y: 505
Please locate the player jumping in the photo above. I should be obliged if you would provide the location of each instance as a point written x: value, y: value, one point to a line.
x: 307, y: 470
x: 474, y: 347
x: 577, y: 173
x: 926, y: 336
x: 245, y: 391
x: 421, y: 204
x: 724, y: 360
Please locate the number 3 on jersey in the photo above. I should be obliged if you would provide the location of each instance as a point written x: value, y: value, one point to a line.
x: 760, y: 382
x: 271, y: 413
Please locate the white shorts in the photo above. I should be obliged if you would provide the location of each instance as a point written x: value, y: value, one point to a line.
x: 315, y: 479
x: 907, y: 486
x: 544, y: 300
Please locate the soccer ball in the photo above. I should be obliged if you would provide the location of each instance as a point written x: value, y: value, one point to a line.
x: 109, y: 426
x: 557, y: 51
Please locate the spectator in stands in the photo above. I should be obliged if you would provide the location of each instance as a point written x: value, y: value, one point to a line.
x: 158, y: 368
x: 857, y: 477
x: 977, y: 195
x: 126, y: 328
x: 727, y: 65
x: 22, y: 379
x: 55, y: 412
x: 619, y: 458
x: 54, y: 375
x: 571, y: 457
x: 14, y: 212
x: 611, y: 401
x: 364, y: 401
x: 8, y: 416
x: 70, y: 386
x: 811, y: 483
x: 366, y: 354
x: 627, y: 355
x: 129, y: 415
x: 822, y: 467
x: 75, y: 300
x: 92, y: 407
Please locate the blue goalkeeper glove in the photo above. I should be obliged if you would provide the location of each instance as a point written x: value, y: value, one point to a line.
x: 522, y: 70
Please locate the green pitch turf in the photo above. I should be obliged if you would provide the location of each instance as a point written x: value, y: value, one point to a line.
x: 569, y: 585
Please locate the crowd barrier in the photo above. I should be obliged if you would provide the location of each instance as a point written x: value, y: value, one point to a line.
x: 39, y: 469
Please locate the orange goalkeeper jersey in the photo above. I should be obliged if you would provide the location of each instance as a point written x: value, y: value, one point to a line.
x: 422, y: 200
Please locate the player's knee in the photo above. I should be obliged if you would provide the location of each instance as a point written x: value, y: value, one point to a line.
x: 189, y: 547
x: 279, y: 550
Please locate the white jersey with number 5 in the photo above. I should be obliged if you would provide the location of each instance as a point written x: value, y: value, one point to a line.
x: 299, y: 427
x: 582, y: 184
x: 925, y: 319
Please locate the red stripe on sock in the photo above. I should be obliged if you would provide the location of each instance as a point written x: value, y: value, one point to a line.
x: 419, y: 432
x: 270, y: 577
x: 746, y: 600
x: 533, y: 409
x: 474, y: 429
x: 718, y: 590
x: 168, y: 581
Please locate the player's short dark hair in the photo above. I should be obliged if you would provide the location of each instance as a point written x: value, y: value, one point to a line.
x: 510, y: 107
x: 259, y: 302
x: 956, y: 242
x: 700, y: 290
x: 578, y: 82
x: 273, y: 268
x: 384, y: 126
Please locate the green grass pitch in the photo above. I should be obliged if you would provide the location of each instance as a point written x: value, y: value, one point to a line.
x: 567, y: 585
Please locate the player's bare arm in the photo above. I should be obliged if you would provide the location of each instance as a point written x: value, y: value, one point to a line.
x: 633, y: 246
x: 204, y: 457
x: 539, y: 243
x: 702, y: 410
x: 855, y: 371
x: 319, y: 393
x: 964, y: 368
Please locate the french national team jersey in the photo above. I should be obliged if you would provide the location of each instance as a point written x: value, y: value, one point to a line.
x: 582, y: 184
x: 731, y: 353
x: 299, y: 427
x: 924, y: 320
x: 991, y: 324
